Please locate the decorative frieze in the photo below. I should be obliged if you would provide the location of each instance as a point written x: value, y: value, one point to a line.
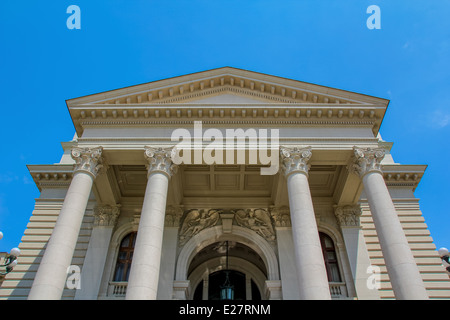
x: 160, y: 160
x: 348, y: 216
x: 256, y: 219
x: 88, y: 160
x: 106, y: 215
x: 295, y: 160
x: 366, y: 160
x: 281, y: 216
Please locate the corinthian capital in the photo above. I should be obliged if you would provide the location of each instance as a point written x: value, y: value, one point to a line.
x: 88, y: 160
x: 106, y: 216
x: 160, y: 160
x: 348, y: 216
x: 366, y: 160
x: 295, y: 160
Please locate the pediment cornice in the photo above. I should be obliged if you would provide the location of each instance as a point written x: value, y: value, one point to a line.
x: 266, y: 97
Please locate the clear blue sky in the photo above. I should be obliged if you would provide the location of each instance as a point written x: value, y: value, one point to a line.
x: 123, y: 43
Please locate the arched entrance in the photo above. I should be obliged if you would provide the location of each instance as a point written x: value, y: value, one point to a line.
x: 227, y: 263
x: 249, y: 254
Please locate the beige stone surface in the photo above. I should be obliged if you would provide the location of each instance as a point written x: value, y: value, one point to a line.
x: 126, y: 121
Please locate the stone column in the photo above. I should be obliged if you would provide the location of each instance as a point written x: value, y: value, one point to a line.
x: 310, y: 264
x: 144, y: 273
x: 403, y: 272
x: 105, y: 218
x: 51, y: 276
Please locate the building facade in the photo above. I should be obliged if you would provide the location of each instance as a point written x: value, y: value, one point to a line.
x: 185, y: 187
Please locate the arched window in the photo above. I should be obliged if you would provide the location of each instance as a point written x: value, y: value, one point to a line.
x: 124, y: 258
x: 330, y: 257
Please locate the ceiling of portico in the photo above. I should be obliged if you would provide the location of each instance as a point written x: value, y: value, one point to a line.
x: 226, y: 184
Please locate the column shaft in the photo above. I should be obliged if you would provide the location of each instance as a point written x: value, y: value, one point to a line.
x: 311, y: 271
x: 402, y: 269
x: 51, y: 276
x: 403, y: 272
x: 144, y: 273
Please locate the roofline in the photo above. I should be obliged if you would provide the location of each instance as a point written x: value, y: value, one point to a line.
x: 386, y: 101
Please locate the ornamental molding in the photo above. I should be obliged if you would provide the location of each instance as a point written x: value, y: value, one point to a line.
x: 106, y: 215
x: 134, y: 221
x: 190, y: 120
x: 366, y: 160
x: 51, y: 176
x: 281, y: 216
x: 173, y: 216
x: 160, y: 160
x: 193, y: 90
x: 348, y: 215
x: 182, y: 97
x: 258, y: 220
x: 295, y: 160
x: 88, y: 160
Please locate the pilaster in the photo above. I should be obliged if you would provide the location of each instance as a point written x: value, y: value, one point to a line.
x: 105, y: 218
x: 348, y: 217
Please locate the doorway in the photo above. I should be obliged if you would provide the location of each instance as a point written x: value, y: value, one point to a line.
x: 244, y: 267
x: 237, y: 280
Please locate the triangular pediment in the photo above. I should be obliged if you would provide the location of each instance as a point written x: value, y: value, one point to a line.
x: 227, y: 94
x: 226, y: 84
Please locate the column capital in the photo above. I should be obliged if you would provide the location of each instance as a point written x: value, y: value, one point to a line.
x: 366, y: 160
x: 173, y: 216
x: 160, y: 160
x: 295, y: 160
x: 348, y: 216
x: 88, y: 160
x: 106, y: 215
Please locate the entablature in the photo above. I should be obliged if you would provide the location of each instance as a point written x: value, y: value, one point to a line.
x: 51, y: 176
x: 397, y: 175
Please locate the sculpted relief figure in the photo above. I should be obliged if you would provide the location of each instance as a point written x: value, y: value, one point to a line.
x: 257, y: 220
x: 197, y: 220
